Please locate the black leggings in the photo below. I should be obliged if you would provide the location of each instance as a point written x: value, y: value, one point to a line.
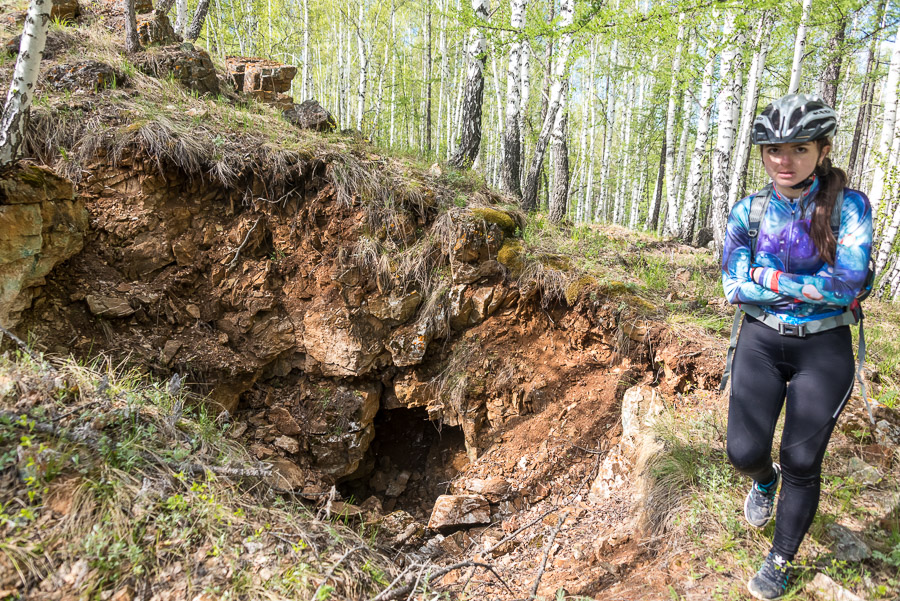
x: 820, y: 370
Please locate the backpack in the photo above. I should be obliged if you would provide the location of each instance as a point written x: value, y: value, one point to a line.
x: 851, y: 316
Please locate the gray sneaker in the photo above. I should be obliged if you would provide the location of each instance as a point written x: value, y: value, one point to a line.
x: 772, y: 579
x: 760, y: 503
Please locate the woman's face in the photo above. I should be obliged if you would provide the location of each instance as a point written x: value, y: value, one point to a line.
x: 790, y: 164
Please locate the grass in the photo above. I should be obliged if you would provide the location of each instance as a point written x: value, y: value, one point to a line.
x: 109, y: 478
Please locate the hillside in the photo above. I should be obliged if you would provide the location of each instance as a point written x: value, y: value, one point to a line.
x: 276, y: 363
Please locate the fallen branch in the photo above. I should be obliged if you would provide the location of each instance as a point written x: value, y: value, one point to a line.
x: 405, y: 590
x: 540, y: 574
x: 237, y: 253
x: 331, y: 570
x: 21, y: 344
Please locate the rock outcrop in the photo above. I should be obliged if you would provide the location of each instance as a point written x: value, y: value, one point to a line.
x: 309, y: 115
x: 41, y: 225
x: 263, y: 79
x: 89, y: 76
x: 191, y: 67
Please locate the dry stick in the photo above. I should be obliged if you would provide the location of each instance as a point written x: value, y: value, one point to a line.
x: 334, y: 567
x: 237, y: 253
x: 437, y: 574
x: 540, y: 574
x: 382, y: 594
x: 24, y: 347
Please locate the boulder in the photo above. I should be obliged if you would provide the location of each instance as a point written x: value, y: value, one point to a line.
x: 148, y: 252
x: 89, y: 76
x: 191, y: 67
x: 848, y: 545
x: 455, y: 511
x: 408, y: 344
x: 270, y: 335
x: 482, y: 304
x: 342, y: 344
x: 346, y: 431
x: 395, y: 309
x: 41, y: 225
x: 288, y: 475
x: 252, y: 74
x: 826, y: 589
x: 862, y: 472
x: 467, y: 273
x: 153, y: 31
x: 309, y: 115
x: 475, y: 240
x: 460, y: 307
x: 284, y: 422
x: 494, y: 489
x: 640, y: 406
x: 108, y: 306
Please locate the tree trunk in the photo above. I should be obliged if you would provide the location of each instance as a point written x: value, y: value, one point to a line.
x: 887, y: 128
x: 196, y: 27
x: 656, y: 201
x: 589, y: 165
x: 668, y: 142
x: 25, y: 74
x: 529, y: 195
x: 687, y: 110
x: 799, y: 43
x: 721, y: 162
x: 603, y: 193
x: 472, y: 104
x: 393, y: 74
x: 625, y: 175
x: 428, y: 79
x: 560, y: 191
x: 828, y: 85
x: 509, y: 172
x: 887, y: 239
x: 132, y: 42
x: 305, y: 73
x: 748, y: 109
x: 181, y: 16
x: 695, y: 174
x: 363, y: 71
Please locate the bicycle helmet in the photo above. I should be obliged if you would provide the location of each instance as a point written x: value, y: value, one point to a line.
x: 794, y: 118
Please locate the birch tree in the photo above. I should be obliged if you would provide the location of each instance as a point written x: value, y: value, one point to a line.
x: 470, y: 118
x: 132, y: 42
x: 559, y: 193
x: 181, y: 16
x: 887, y: 127
x: 193, y: 32
x: 529, y: 194
x: 799, y: 43
x: 510, y: 176
x: 25, y: 73
x: 725, y: 134
x: 669, y: 141
x: 695, y: 174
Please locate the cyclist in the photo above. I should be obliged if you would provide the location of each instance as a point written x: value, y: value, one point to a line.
x: 797, y: 284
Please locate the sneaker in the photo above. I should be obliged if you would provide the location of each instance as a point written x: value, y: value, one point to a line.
x: 760, y: 503
x: 772, y: 579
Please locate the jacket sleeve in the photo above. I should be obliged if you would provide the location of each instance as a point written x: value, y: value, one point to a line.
x: 838, y: 284
x: 736, y: 282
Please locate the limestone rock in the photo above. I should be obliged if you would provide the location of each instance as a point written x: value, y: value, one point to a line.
x: 288, y: 475
x: 270, y: 335
x: 156, y: 32
x: 481, y: 304
x: 287, y: 444
x: 460, y: 307
x: 826, y: 589
x: 344, y: 344
x: 395, y: 309
x: 284, y: 421
x: 148, y: 252
x: 41, y: 225
x: 396, y: 486
x: 467, y: 273
x: 848, y: 545
x: 411, y: 392
x: 862, y: 472
x: 108, y: 306
x: 453, y: 511
x: 494, y: 489
x: 408, y: 344
x: 192, y: 67
x: 251, y: 74
x: 640, y: 406
x: 310, y: 115
x: 87, y: 75
x: 348, y: 430
x: 475, y: 240
x: 399, y: 527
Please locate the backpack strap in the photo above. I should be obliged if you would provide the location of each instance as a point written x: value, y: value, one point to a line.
x: 758, y: 206
x: 836, y: 215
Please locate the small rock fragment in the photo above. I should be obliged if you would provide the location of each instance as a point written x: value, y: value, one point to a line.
x: 108, y: 306
x: 287, y: 444
x: 848, y: 545
x: 452, y: 511
x: 826, y: 589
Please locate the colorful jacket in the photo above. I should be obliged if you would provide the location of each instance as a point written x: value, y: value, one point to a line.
x: 795, y: 284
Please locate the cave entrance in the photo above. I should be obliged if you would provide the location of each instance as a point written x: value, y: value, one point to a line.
x: 409, y: 463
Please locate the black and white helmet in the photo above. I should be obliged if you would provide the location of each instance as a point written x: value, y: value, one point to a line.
x: 794, y: 118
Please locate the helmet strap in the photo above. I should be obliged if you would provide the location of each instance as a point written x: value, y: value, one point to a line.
x: 804, y: 184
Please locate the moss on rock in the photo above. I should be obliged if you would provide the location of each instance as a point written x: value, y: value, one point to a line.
x: 574, y: 289
x: 511, y: 255
x: 500, y: 218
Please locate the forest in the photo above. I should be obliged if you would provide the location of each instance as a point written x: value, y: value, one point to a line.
x: 635, y: 114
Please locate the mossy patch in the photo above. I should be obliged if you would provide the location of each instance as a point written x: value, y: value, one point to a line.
x: 511, y: 255
x: 642, y: 305
x: 500, y: 218
x: 557, y: 262
x: 616, y: 288
x: 574, y: 289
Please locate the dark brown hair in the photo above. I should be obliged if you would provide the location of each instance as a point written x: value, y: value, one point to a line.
x: 831, y: 181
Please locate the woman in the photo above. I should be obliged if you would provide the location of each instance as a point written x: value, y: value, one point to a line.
x: 798, y: 288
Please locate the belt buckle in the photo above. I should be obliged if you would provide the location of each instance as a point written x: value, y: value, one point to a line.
x: 788, y: 329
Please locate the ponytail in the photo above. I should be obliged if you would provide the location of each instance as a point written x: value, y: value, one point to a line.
x: 831, y: 181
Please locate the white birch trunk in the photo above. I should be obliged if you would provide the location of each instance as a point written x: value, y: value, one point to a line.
x: 589, y: 186
x: 695, y: 174
x: 363, y: 71
x: 603, y: 194
x: 748, y: 109
x: 181, y: 16
x: 473, y: 97
x: 525, y: 88
x: 511, y: 178
x: 887, y: 239
x: 687, y: 111
x: 25, y: 74
x: 625, y: 175
x: 721, y: 162
x: 529, y: 195
x: 305, y: 73
x: 799, y: 44
x: 887, y: 127
x: 671, y: 191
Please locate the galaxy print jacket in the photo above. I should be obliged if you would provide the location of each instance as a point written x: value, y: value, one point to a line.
x: 788, y: 279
